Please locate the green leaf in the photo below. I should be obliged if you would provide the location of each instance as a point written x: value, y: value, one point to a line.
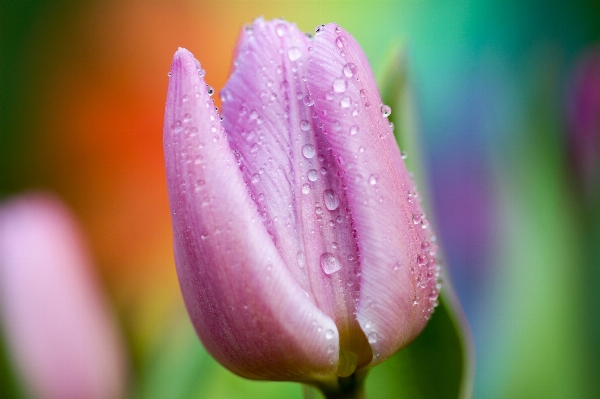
x: 437, y: 364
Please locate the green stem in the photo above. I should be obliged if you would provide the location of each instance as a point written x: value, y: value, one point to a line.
x: 352, y: 387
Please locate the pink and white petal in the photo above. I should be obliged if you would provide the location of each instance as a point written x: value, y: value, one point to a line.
x: 247, y: 308
x: 398, y: 284
x: 61, y: 332
x: 294, y: 178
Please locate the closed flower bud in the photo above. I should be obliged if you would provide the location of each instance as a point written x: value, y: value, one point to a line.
x: 302, y: 250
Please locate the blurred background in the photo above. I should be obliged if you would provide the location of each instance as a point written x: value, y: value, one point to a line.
x: 506, y: 106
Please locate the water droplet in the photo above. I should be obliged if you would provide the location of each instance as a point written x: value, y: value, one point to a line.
x: 363, y: 93
x: 201, y: 72
x: 308, y: 101
x: 304, y: 125
x: 368, y: 105
x: 319, y: 29
x: 323, y: 171
x: 329, y: 334
x: 187, y: 118
x: 373, y: 337
x: 373, y: 179
x: 169, y: 74
x: 331, y: 200
x: 340, y: 42
x: 403, y: 155
x: 301, y: 259
x: 210, y: 90
x: 353, y: 130
x: 345, y: 102
x: 255, y: 178
x: 361, y: 149
x: 340, y: 85
x: 281, y: 29
x: 425, y: 245
x: 306, y: 188
x: 308, y: 150
x: 422, y: 260
x: 294, y: 53
x: 416, y: 218
x: 312, y: 175
x: 253, y: 115
x: 330, y: 263
x: 385, y: 111
x: 350, y: 70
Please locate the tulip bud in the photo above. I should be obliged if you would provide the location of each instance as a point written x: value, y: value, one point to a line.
x: 302, y: 251
x: 59, y: 330
x: 583, y: 117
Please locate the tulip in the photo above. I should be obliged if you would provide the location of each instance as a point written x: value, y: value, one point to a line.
x: 60, y: 332
x: 583, y: 120
x: 302, y: 251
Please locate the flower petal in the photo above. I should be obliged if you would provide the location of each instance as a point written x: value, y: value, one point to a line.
x: 398, y: 284
x: 60, y: 330
x: 287, y: 162
x: 247, y: 308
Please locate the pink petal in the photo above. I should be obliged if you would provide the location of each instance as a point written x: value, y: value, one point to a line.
x: 248, y: 309
x: 59, y: 327
x: 380, y: 193
x: 292, y: 174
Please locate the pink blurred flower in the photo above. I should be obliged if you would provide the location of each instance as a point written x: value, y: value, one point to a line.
x: 584, y: 118
x: 302, y: 250
x: 60, y: 332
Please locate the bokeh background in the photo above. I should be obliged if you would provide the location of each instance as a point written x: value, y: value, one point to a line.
x: 506, y: 103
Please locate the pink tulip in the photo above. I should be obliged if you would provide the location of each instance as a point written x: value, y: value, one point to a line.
x: 302, y: 250
x: 60, y: 332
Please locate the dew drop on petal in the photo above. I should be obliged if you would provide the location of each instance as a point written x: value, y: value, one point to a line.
x: 306, y: 188
x: 304, y: 125
x: 345, y: 102
x: 308, y: 150
x: 330, y: 263
x: 308, y: 100
x: 329, y: 334
x: 353, y: 130
x: 294, y: 53
x: 340, y: 85
x: 331, y: 199
x: 312, y: 175
x: 350, y: 70
x: 281, y: 29
x: 373, y: 337
x: 373, y: 179
x: 385, y: 111
x: 210, y: 90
